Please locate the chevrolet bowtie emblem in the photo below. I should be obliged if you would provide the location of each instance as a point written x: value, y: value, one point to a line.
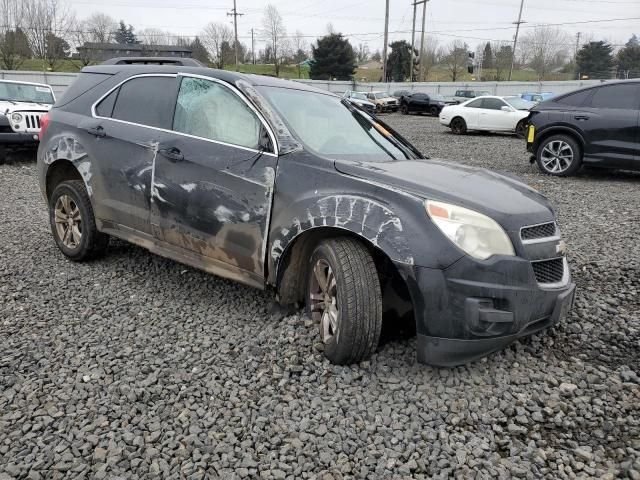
x: 561, y: 247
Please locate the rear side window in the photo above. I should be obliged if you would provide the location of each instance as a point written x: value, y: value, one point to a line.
x: 475, y: 104
x: 619, y: 97
x: 83, y: 83
x: 575, y: 99
x: 105, y: 107
x: 146, y: 101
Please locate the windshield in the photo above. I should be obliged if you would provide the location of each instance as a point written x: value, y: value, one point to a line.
x: 519, y: 103
x: 329, y: 126
x: 359, y: 96
x: 22, y: 92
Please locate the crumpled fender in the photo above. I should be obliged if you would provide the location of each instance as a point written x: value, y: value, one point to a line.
x: 68, y: 148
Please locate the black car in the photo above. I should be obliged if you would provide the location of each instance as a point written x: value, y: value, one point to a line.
x: 431, y: 103
x: 326, y: 204
x: 597, y: 126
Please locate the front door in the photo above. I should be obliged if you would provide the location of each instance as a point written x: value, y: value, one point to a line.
x: 214, y: 178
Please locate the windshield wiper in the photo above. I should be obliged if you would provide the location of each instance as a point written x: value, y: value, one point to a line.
x: 8, y: 100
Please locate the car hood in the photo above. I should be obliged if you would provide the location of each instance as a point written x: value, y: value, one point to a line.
x: 507, y: 200
x: 10, y: 107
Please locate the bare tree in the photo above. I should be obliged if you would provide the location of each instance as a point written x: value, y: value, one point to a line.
x: 502, y: 58
x: 155, y: 36
x: 456, y: 59
x: 430, y: 56
x: 274, y: 33
x: 14, y: 47
x: 362, y: 53
x: 545, y: 48
x: 100, y: 28
x: 213, y: 37
x: 49, y: 27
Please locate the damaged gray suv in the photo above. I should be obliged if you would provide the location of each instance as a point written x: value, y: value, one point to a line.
x: 277, y: 184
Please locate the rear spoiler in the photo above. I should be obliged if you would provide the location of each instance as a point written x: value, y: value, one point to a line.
x: 176, y: 61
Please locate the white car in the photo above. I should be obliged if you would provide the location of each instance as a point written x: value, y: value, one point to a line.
x: 488, y: 113
x: 22, y: 105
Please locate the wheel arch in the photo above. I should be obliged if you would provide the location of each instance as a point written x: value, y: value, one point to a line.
x: 58, y: 172
x: 558, y: 130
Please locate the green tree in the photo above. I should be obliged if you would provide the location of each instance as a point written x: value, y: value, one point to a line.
x: 125, y: 35
x: 198, y: 51
x: 56, y: 49
x: 629, y: 59
x: 399, y: 62
x: 456, y: 59
x: 595, y: 59
x: 333, y: 57
x: 487, y: 57
x: 502, y: 61
x: 14, y: 49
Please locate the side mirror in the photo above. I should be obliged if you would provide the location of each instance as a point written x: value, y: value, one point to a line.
x: 506, y: 109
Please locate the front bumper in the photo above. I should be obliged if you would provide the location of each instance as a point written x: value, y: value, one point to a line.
x: 19, y: 138
x: 467, y: 311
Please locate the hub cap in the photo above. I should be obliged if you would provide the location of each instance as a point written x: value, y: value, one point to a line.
x: 68, y: 222
x: 557, y: 156
x: 324, y: 300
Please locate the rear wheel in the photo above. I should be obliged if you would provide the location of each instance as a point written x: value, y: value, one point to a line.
x: 404, y: 109
x: 434, y: 111
x: 73, y: 224
x: 559, y: 155
x: 521, y: 129
x: 344, y: 297
x: 458, y: 126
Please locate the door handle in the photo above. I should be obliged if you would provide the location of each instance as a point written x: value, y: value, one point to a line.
x: 581, y: 117
x: 97, y: 131
x: 172, y: 154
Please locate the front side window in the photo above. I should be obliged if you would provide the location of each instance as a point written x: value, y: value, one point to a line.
x: 618, y: 97
x: 24, y: 92
x: 493, y: 103
x: 210, y: 110
x: 576, y: 99
x: 328, y: 126
x: 146, y: 101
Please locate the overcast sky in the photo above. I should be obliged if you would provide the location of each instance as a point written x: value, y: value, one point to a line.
x: 474, y: 21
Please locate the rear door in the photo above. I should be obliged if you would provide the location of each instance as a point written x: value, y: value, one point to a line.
x: 122, y: 137
x: 418, y: 102
x: 214, y: 179
x: 609, y: 120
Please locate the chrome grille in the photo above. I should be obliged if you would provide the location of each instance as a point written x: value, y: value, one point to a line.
x: 549, y: 271
x: 536, y: 232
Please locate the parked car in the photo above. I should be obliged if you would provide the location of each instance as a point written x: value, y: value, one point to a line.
x: 22, y: 104
x: 383, y: 101
x: 597, y: 126
x: 431, y: 103
x: 328, y: 205
x: 360, y: 99
x: 537, y: 97
x: 491, y: 114
x: 398, y: 94
x: 464, y: 95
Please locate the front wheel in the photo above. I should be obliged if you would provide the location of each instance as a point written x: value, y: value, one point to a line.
x: 404, y: 109
x: 559, y: 155
x: 458, y: 126
x: 434, y: 111
x: 344, y: 297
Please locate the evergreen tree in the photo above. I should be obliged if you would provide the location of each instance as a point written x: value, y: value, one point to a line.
x: 399, y: 62
x: 333, y: 58
x: 595, y: 59
x: 125, y: 35
x: 629, y: 59
x: 198, y: 51
x: 487, y: 57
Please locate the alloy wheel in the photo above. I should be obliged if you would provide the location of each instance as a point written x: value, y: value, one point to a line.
x: 68, y: 222
x: 323, y: 295
x: 556, y: 156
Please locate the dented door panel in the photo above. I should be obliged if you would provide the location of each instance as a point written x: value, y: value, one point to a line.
x: 215, y: 201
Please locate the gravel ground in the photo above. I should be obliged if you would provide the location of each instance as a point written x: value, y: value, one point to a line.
x: 137, y: 367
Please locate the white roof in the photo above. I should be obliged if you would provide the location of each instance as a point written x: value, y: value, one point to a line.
x: 19, y: 82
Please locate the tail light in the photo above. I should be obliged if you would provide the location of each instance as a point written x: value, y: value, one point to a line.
x: 44, y: 123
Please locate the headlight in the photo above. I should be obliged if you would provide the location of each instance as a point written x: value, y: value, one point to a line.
x: 16, y: 117
x: 476, y: 234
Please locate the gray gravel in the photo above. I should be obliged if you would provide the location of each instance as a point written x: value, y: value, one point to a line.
x: 138, y: 367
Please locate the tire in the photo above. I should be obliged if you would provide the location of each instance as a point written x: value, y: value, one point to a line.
x: 355, y: 296
x: 404, y: 109
x: 521, y: 129
x: 559, y: 155
x: 70, y: 199
x: 458, y: 126
x: 434, y: 111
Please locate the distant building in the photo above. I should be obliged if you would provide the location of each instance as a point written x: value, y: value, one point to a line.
x: 100, y: 52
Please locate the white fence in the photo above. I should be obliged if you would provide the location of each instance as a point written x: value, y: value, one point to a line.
x: 60, y: 81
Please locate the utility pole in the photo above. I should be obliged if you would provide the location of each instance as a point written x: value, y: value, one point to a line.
x: 424, y: 16
x: 515, y: 40
x: 234, y: 13
x: 386, y: 40
x: 253, y: 48
x: 575, y: 57
x: 413, y: 34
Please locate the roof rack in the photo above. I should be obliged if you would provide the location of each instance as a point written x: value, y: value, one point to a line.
x: 176, y: 61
